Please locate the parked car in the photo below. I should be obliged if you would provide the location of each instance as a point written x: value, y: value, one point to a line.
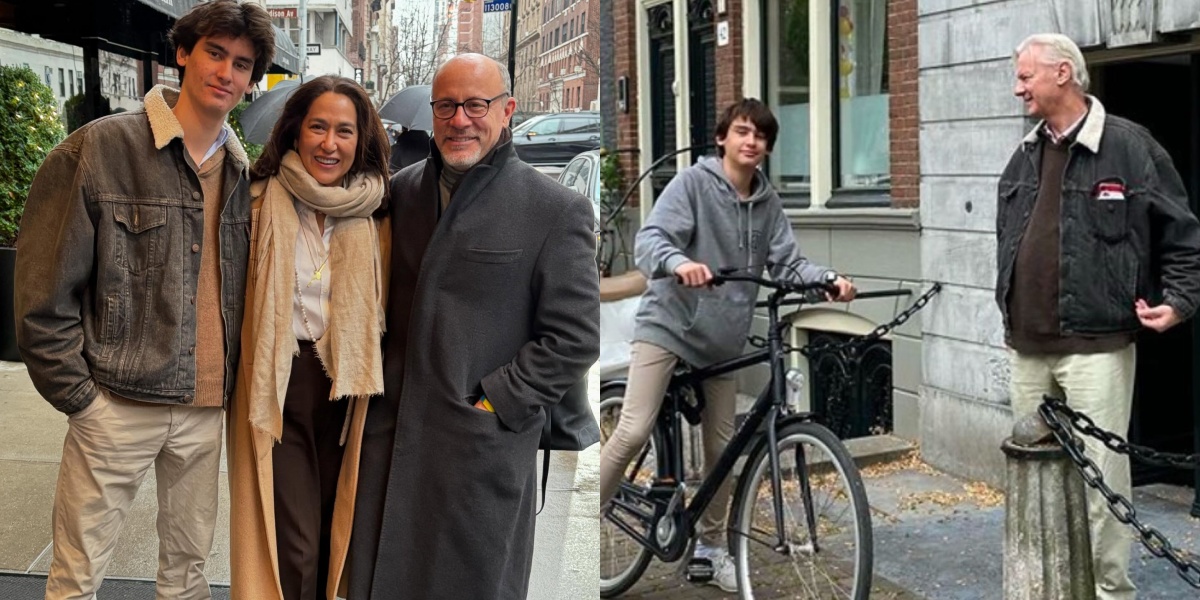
x: 582, y: 174
x: 554, y: 139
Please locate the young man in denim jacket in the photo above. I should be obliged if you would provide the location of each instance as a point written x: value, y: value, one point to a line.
x: 131, y: 268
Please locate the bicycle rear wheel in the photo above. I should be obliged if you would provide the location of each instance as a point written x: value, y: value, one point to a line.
x: 622, y: 559
x: 829, y: 556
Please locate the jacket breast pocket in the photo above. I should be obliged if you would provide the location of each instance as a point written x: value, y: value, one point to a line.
x: 494, y: 257
x: 1109, y: 218
x: 140, y: 240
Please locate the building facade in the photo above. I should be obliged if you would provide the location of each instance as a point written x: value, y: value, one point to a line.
x: 60, y: 66
x: 569, y: 63
x: 527, y: 73
x: 841, y: 78
x: 897, y: 117
x: 330, y: 41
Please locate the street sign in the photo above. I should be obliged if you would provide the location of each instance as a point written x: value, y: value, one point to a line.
x: 314, y: 50
x: 490, y: 6
x: 282, y: 13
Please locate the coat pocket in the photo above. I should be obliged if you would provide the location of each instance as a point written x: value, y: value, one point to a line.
x: 140, y: 243
x: 495, y: 257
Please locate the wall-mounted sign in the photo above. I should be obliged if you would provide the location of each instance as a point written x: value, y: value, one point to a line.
x: 491, y: 6
x: 723, y: 33
x: 313, y: 50
x: 282, y: 13
x: 358, y: 75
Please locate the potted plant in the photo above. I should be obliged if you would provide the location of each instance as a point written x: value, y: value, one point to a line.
x: 29, y: 128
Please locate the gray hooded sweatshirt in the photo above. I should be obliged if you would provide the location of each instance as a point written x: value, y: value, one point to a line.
x: 699, y: 217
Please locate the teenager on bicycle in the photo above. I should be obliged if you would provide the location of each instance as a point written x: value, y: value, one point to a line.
x: 720, y: 212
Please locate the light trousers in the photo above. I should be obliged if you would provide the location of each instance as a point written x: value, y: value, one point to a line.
x: 650, y: 369
x: 109, y: 448
x: 1100, y: 386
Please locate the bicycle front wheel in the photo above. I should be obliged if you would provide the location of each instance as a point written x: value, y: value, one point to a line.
x: 825, y: 549
x: 623, y: 559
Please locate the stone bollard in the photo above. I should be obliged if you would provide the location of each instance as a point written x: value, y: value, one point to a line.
x: 1046, y: 551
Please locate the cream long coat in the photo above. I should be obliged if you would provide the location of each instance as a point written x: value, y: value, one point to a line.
x: 253, y: 554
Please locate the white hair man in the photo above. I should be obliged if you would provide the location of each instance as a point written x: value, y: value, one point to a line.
x: 1095, y: 241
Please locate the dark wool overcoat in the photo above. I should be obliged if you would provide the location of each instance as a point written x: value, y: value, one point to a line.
x: 497, y: 296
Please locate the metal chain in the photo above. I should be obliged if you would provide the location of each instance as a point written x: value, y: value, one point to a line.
x: 1085, y: 425
x: 1154, y: 541
x: 849, y: 348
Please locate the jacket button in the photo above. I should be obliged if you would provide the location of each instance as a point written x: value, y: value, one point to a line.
x: 192, y: 299
x: 192, y: 350
x: 187, y: 399
x: 195, y: 195
x: 195, y: 247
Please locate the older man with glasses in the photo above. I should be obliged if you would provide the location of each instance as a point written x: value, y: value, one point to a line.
x: 494, y: 312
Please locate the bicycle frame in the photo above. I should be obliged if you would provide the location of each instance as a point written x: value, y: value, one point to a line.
x: 767, y: 409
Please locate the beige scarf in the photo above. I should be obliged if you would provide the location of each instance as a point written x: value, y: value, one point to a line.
x: 349, y: 350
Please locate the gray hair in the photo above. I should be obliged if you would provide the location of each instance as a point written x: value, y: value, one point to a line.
x: 1057, y: 48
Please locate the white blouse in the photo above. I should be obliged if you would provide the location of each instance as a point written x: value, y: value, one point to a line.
x: 312, y: 275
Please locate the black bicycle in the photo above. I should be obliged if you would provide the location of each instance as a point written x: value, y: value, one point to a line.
x: 799, y: 522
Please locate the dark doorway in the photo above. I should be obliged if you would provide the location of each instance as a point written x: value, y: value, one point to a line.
x: 662, y: 94
x: 1161, y: 95
x: 702, y: 75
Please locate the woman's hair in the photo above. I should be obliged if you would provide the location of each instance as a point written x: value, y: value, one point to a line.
x: 370, y: 156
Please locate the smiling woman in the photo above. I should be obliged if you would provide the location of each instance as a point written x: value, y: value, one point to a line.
x: 314, y: 248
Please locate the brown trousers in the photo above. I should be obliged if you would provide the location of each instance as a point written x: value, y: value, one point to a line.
x: 307, y: 462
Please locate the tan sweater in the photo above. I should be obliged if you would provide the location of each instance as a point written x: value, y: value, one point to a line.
x: 210, y: 327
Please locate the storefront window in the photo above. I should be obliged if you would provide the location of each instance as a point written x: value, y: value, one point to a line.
x: 862, y: 92
x: 788, y: 92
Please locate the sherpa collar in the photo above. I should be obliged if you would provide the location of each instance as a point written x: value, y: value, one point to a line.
x: 1089, y: 133
x: 159, y: 102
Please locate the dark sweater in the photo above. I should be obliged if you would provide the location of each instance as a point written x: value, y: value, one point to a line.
x: 1033, y: 303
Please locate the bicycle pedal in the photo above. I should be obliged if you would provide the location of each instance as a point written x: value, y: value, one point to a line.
x: 699, y: 570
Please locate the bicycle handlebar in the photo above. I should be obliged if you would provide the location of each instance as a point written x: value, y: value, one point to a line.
x: 783, y: 286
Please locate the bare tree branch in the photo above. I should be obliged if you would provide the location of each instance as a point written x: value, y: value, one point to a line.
x: 413, y: 57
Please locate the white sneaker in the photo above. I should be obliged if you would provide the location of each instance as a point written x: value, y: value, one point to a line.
x: 724, y: 572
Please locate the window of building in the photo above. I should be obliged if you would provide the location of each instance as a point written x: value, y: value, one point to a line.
x: 50, y: 78
x: 71, y: 76
x: 582, y: 23
x: 62, y: 83
x: 861, y: 136
x: 788, y: 92
x: 572, y: 28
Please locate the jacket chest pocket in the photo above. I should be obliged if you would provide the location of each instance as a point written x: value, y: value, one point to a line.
x: 1109, y: 218
x: 140, y: 240
x: 477, y: 271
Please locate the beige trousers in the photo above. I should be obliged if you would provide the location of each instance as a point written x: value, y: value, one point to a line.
x: 650, y: 369
x: 1100, y: 386
x: 109, y: 448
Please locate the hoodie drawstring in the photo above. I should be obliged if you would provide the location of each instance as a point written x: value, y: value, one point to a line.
x: 749, y: 246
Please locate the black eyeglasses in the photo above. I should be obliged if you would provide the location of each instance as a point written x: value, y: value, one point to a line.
x: 474, y: 107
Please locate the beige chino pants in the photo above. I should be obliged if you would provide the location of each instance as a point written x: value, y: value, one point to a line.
x: 1100, y: 386
x: 650, y: 370
x: 109, y: 448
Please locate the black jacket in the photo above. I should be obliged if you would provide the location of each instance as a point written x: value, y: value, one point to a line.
x: 1134, y: 237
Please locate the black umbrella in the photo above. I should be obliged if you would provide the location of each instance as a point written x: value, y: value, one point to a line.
x: 259, y: 118
x: 410, y: 108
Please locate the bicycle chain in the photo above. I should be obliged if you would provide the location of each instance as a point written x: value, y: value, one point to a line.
x: 1154, y: 541
x: 849, y: 348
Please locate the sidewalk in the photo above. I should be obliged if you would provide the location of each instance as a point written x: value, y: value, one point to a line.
x: 31, y: 436
x: 941, y: 538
